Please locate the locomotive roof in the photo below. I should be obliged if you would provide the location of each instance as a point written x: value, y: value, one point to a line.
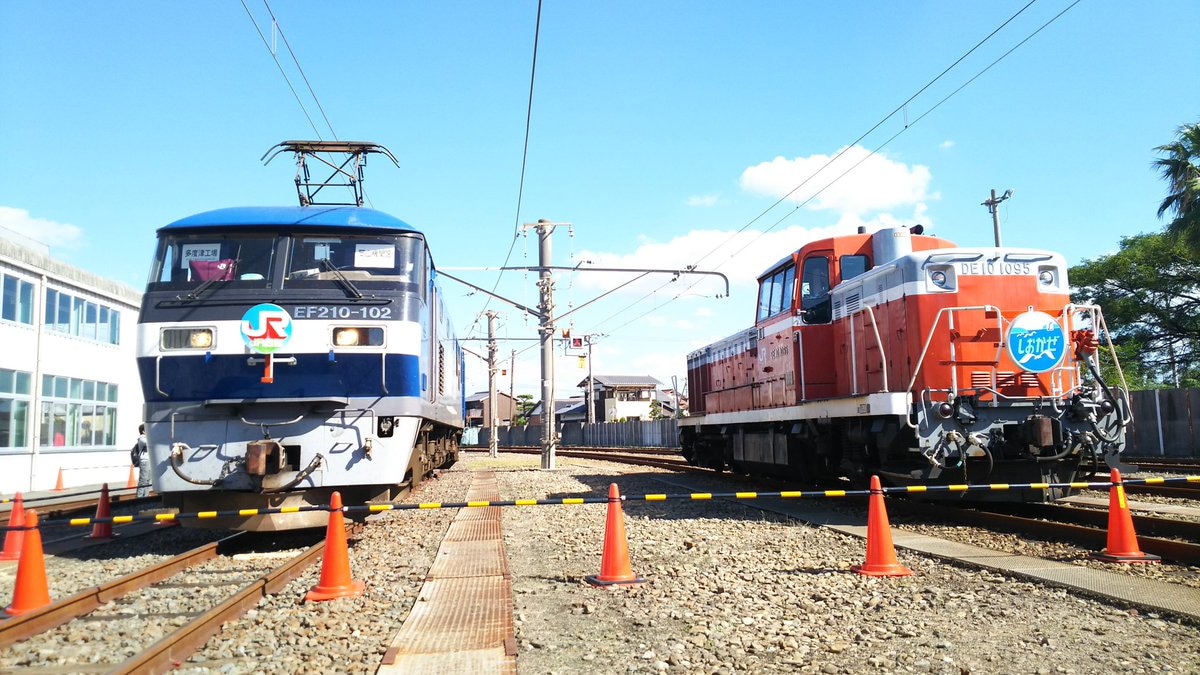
x: 322, y: 217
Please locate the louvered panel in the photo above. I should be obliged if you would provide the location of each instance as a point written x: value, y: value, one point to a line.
x: 981, y: 379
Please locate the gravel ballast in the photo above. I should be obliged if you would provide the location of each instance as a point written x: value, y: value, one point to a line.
x: 728, y: 589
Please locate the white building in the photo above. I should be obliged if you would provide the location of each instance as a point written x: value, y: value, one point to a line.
x: 622, y: 397
x: 70, y: 398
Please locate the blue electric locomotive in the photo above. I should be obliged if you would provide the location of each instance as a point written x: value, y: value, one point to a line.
x: 287, y: 352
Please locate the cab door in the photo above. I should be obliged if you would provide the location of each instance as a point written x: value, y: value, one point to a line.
x: 816, y: 363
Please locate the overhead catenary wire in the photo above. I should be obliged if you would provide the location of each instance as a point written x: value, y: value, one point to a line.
x: 908, y: 125
x: 537, y: 29
x: 282, y: 72
x: 296, y: 61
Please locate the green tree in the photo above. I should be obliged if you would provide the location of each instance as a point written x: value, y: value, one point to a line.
x: 525, y: 403
x: 1181, y: 169
x: 1150, y: 295
x: 656, y: 410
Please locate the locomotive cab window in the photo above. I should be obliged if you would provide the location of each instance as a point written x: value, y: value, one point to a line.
x: 187, y: 261
x: 853, y: 265
x: 815, y: 304
x: 396, y: 259
x: 775, y: 292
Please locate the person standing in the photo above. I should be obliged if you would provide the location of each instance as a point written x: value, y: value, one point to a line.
x: 140, y: 456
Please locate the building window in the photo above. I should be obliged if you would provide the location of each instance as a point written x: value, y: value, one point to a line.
x: 14, y: 408
x: 80, y: 317
x: 16, y: 299
x: 78, y: 413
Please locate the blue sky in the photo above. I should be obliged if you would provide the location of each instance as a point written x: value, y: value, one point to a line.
x: 659, y: 131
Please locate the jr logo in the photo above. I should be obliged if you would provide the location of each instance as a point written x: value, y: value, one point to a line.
x: 266, y: 328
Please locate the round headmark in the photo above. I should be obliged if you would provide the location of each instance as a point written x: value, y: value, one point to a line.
x: 1036, y: 342
x: 266, y: 328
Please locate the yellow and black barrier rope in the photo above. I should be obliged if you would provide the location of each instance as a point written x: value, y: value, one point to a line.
x: 649, y: 497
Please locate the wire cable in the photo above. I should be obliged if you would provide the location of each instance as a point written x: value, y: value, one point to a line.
x: 302, y: 75
x: 537, y: 29
x: 282, y: 71
x: 879, y: 148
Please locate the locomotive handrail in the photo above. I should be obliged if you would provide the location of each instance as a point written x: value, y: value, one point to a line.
x: 158, y: 376
x: 270, y: 424
x: 1102, y: 327
x: 878, y: 341
x: 938, y: 319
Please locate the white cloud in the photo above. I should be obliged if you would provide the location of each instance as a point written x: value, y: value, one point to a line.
x: 740, y: 256
x: 41, y: 230
x: 872, y: 182
x: 946, y: 145
x: 702, y: 201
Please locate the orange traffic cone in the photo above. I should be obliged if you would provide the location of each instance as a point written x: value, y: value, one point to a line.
x: 335, y: 564
x: 614, y: 560
x: 58, y: 487
x: 1122, y: 542
x: 16, y: 530
x: 881, y: 554
x: 132, y: 482
x: 30, y: 591
x: 102, y: 530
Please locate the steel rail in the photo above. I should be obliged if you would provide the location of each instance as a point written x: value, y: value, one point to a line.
x: 1169, y: 549
x: 171, y: 651
x: 82, y: 603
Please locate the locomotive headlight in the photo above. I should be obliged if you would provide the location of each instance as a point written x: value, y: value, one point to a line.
x: 201, y: 339
x: 1046, y: 277
x: 938, y: 278
x: 187, y: 338
x: 345, y: 337
x: 358, y: 336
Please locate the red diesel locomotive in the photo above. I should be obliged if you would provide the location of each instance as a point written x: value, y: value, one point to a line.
x: 905, y: 356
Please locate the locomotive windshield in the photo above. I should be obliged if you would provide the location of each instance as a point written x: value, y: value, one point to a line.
x: 394, y: 258
x: 276, y: 260
x: 187, y: 260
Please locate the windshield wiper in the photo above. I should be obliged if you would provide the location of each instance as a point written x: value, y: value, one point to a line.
x: 199, y: 290
x: 346, y: 283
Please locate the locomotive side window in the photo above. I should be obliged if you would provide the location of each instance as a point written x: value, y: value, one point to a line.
x: 853, y: 265
x: 775, y: 292
x: 814, y: 291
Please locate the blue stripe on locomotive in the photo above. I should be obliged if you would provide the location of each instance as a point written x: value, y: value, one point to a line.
x: 192, y: 378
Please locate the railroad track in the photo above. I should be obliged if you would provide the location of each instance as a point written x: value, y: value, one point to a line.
x: 1171, y: 538
x: 1178, y: 465
x: 192, y: 586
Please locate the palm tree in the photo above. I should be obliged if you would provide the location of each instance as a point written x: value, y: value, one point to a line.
x: 1181, y: 169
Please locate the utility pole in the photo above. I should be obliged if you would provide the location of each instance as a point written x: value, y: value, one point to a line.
x: 992, y: 204
x: 545, y: 316
x: 512, y: 376
x: 545, y: 284
x: 493, y: 450
x: 591, y: 394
